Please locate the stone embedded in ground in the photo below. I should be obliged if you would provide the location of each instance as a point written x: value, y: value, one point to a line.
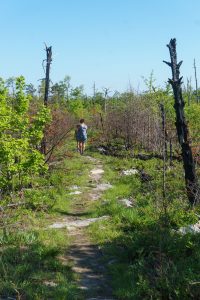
x: 126, y: 202
x: 103, y: 187
x: 96, y: 192
x: 97, y: 171
x: 75, y: 193
x: 70, y: 225
x: 130, y: 172
x: 101, y: 150
x: 50, y: 283
x: 74, y: 187
x: 195, y: 228
x: 94, y: 196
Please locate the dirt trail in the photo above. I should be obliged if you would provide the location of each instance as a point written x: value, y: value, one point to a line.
x: 86, y: 257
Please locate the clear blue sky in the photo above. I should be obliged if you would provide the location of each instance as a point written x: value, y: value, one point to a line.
x: 109, y: 42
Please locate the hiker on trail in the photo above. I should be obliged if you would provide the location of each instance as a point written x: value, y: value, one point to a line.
x: 82, y: 136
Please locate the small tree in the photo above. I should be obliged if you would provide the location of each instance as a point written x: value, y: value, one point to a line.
x: 20, y: 137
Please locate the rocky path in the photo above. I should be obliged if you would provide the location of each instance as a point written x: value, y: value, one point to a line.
x: 85, y: 256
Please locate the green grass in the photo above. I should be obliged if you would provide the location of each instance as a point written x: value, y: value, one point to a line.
x: 146, y: 257
x: 30, y: 263
x: 32, y: 257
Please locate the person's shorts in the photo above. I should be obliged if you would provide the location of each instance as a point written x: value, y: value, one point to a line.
x: 82, y: 139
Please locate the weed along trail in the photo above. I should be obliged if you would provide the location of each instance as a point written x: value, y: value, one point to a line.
x: 84, y: 255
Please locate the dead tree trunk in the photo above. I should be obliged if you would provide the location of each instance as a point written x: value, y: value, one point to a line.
x: 106, y: 92
x: 46, y: 93
x: 196, y: 84
x: 48, y: 63
x: 94, y: 93
x: 181, y: 125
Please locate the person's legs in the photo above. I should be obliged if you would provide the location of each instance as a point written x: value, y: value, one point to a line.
x: 84, y: 142
x: 77, y: 145
x: 81, y: 147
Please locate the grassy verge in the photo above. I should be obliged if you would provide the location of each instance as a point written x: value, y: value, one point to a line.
x: 147, y: 257
x: 32, y: 256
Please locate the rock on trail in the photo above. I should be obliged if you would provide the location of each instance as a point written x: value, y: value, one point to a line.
x: 73, y: 224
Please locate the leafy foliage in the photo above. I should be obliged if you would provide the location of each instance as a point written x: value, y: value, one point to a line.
x: 19, y: 138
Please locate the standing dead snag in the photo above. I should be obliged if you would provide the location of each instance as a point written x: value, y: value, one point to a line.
x: 46, y: 93
x: 181, y: 125
x: 48, y: 63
